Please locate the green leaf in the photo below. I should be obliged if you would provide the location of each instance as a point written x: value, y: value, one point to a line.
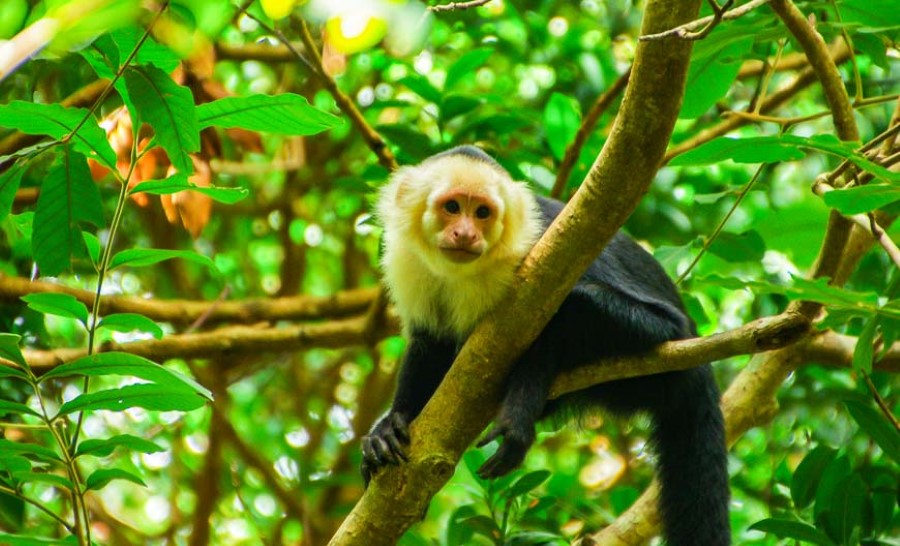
x: 877, y: 427
x: 562, y: 118
x: 710, y: 77
x: 179, y: 182
x: 62, y: 305
x: 9, y: 349
x: 884, y: 496
x: 469, y: 62
x: 58, y: 121
x: 740, y: 150
x: 846, y: 509
x: 483, y: 525
x: 833, y: 478
x: 169, y: 109
x: 104, y: 447
x: 864, y: 352
x: 9, y: 185
x: 739, y: 247
x: 7, y: 406
x: 149, y: 396
x: 68, y: 198
x: 22, y: 540
x: 871, y: 14
x: 527, y: 483
x: 43, y: 477
x: 28, y: 450
x: 14, y: 463
x: 859, y: 199
x: 790, y: 529
x: 151, y: 52
x: 92, y: 243
x: 140, y: 257
x: 116, y: 363
x: 411, y: 141
x: 806, y: 478
x: 284, y: 114
x: 100, y: 478
x: 422, y: 87
x: 129, y: 322
x: 457, y: 105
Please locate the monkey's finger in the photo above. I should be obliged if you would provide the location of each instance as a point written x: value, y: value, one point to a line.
x: 501, y: 463
x: 396, y: 448
x: 400, y: 427
x: 494, y: 433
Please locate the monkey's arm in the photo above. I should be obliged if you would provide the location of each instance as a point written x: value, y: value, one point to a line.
x: 425, y: 363
x: 594, y: 321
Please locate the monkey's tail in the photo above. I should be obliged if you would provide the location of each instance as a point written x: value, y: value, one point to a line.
x: 689, y: 436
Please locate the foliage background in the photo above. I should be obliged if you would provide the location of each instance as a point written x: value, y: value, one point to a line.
x: 303, y: 364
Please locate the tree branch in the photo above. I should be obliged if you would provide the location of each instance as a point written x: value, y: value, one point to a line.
x: 183, y: 312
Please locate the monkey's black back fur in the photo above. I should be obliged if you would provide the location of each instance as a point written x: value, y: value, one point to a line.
x: 623, y: 304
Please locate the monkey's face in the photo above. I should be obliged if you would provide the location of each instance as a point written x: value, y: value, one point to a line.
x: 464, y: 224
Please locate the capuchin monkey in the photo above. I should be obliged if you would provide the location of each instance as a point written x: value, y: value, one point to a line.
x: 456, y: 228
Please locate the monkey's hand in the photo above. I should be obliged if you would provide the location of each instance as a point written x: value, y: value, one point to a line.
x: 384, y: 444
x: 514, y: 445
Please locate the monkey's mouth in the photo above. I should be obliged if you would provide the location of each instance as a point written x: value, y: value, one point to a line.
x: 460, y: 255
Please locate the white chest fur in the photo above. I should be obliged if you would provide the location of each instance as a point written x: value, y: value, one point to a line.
x: 447, y: 303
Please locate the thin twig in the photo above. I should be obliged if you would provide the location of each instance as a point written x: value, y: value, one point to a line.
x: 457, y: 6
x: 686, y: 30
x: 601, y: 105
x: 882, y: 405
x: 711, y: 239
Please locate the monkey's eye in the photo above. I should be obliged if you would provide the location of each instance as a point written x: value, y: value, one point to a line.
x: 483, y: 212
x: 452, y: 207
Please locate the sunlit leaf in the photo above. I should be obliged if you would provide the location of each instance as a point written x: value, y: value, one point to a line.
x: 69, y: 198
x: 130, y: 322
x: 169, y: 109
x: 7, y: 406
x: 872, y: 14
x: 30, y: 540
x: 286, y: 114
x: 710, y: 77
x: 179, y: 182
x: 859, y: 199
x: 104, y: 447
x: 9, y: 185
x: 148, y: 396
x: 562, y: 118
x: 141, y: 257
x: 125, y: 364
x: 63, y: 305
x: 100, y: 478
x: 58, y: 121
x: 26, y: 449
x: 43, y: 477
x: 9, y: 349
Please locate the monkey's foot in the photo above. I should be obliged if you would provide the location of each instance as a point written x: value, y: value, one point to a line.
x: 384, y: 444
x: 513, y: 447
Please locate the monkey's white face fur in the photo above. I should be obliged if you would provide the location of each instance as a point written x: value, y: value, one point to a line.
x: 455, y: 230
